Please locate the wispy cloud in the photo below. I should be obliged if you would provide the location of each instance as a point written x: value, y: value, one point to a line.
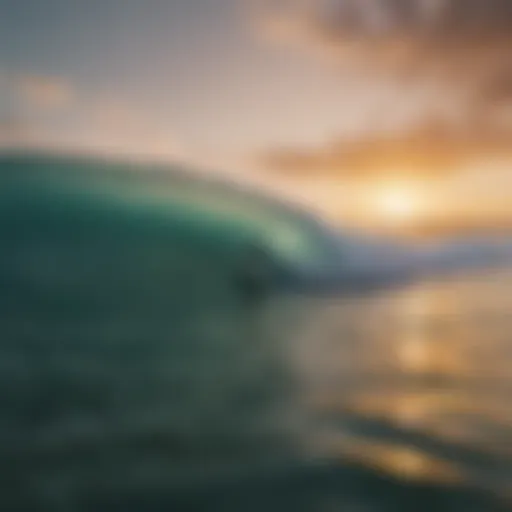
x: 29, y: 104
x: 430, y: 150
x: 452, y: 58
x: 462, y: 43
x: 50, y: 112
x: 36, y: 92
x: 12, y: 133
x: 394, y: 33
x: 44, y: 92
x: 117, y: 125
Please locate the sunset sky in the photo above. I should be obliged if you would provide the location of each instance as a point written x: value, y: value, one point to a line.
x: 389, y: 111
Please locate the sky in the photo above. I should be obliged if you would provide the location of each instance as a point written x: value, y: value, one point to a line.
x: 387, y: 106
x: 184, y: 71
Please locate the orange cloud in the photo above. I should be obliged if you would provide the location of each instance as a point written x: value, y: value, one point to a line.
x: 26, y: 96
x: 44, y: 92
x: 448, y: 60
x: 430, y: 150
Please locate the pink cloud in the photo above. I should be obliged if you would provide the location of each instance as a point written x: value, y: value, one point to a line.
x: 44, y: 92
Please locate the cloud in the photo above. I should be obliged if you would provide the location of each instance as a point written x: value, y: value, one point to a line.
x: 12, y: 133
x: 462, y: 42
x: 30, y: 105
x: 48, y: 111
x: 122, y: 127
x: 385, y: 25
x: 429, y: 150
x: 43, y: 93
x: 457, y: 52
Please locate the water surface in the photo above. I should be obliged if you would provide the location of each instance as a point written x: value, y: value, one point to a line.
x: 416, y: 385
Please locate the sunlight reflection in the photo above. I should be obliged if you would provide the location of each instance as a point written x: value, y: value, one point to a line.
x: 431, y: 334
x: 403, y: 462
x: 414, y: 352
x: 419, y: 362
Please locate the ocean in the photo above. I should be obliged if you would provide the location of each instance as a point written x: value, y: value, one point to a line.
x: 385, y: 402
x: 415, y: 385
x: 134, y: 375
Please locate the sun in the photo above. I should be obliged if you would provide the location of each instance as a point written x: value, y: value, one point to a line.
x: 397, y: 202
